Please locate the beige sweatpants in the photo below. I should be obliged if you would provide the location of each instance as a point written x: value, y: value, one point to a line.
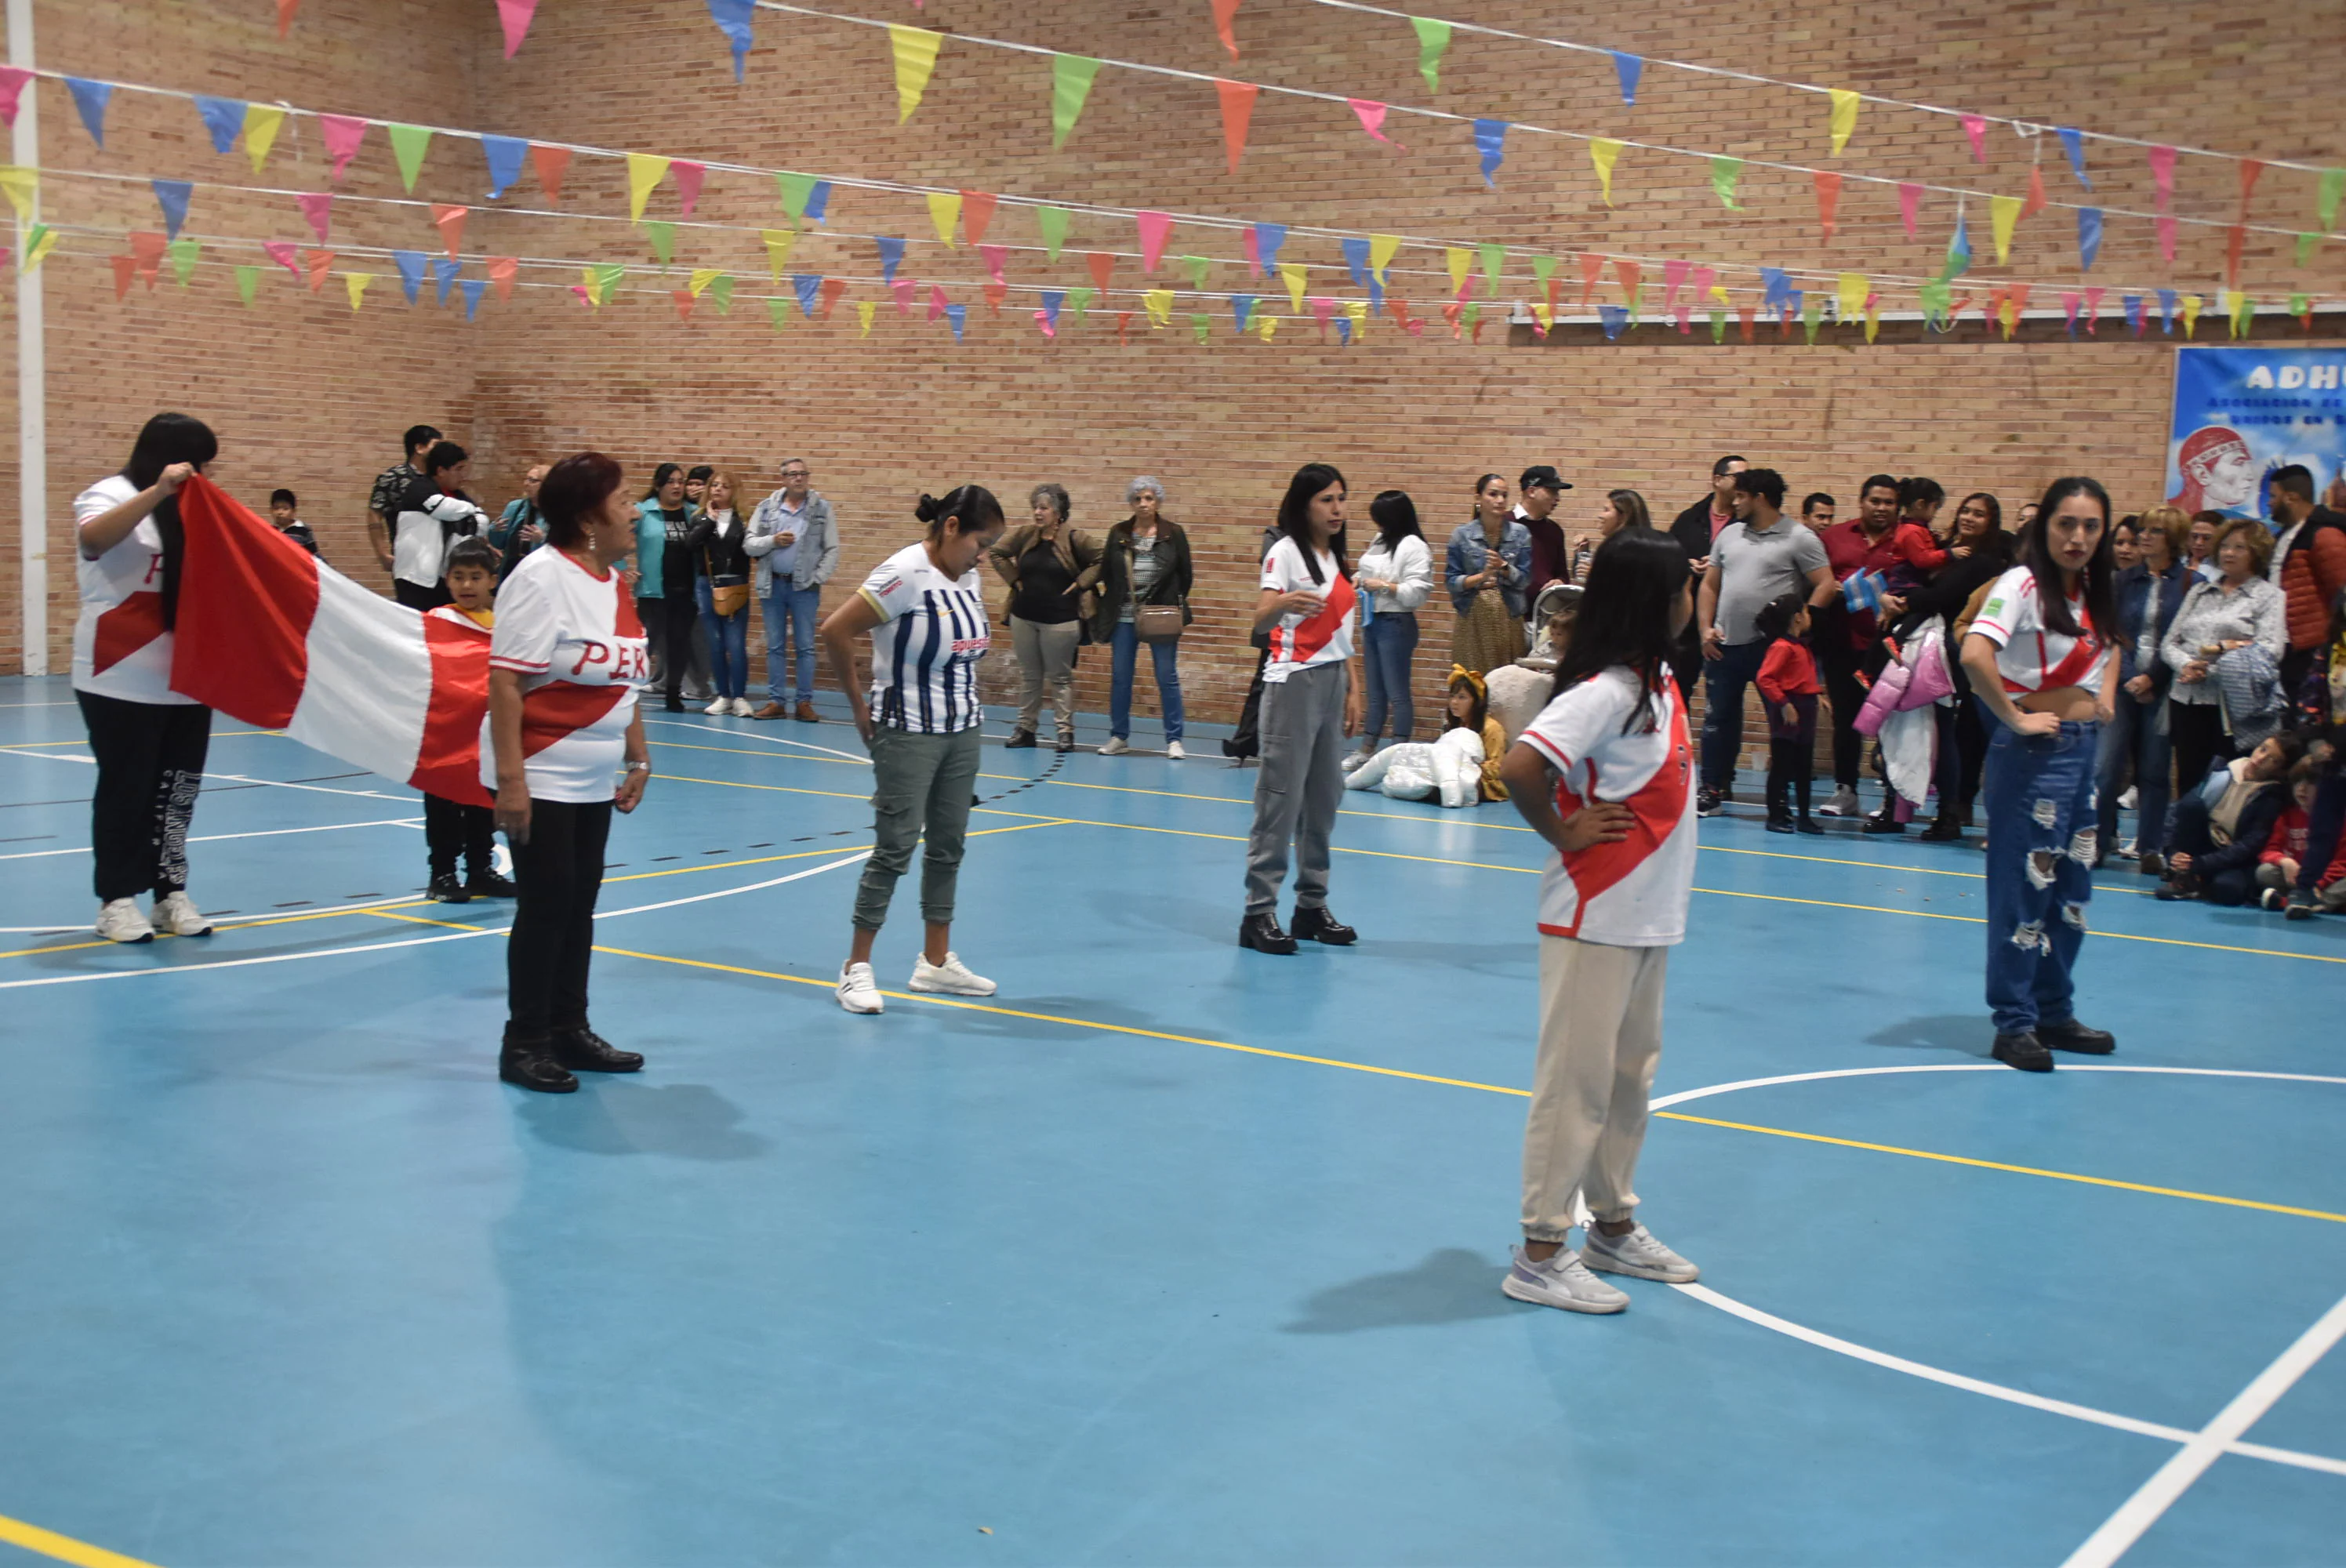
x: 1600, y: 1039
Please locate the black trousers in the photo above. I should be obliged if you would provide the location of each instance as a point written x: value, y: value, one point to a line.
x: 1839, y: 664
x: 150, y: 765
x: 2200, y: 743
x: 2189, y: 833
x: 1246, y: 741
x: 415, y: 597
x: 560, y: 872
x: 452, y: 829
x: 680, y: 617
x: 1791, y: 754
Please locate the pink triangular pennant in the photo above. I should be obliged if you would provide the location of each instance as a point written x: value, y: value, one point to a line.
x: 341, y: 134
x: 1674, y: 277
x: 1686, y: 318
x: 1372, y: 120
x: 1910, y: 202
x: 585, y: 295
x: 1043, y: 321
x: 319, y: 210
x: 284, y: 255
x: 2093, y: 312
x: 903, y: 288
x: 994, y: 255
x: 1156, y: 228
x: 688, y: 176
x: 12, y: 88
x: 1975, y: 127
x: 1324, y: 309
x: 2167, y: 235
x: 1703, y: 278
x: 515, y: 15
x: 936, y: 300
x: 2162, y: 171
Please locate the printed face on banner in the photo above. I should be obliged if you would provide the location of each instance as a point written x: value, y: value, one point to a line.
x: 2242, y: 413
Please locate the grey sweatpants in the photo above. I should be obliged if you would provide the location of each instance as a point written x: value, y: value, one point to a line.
x: 1299, y: 786
x: 921, y: 784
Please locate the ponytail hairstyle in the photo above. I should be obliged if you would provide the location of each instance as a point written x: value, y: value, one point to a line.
x: 164, y: 440
x: 1395, y: 516
x: 1295, y: 517
x: 1634, y: 583
x: 1776, y: 616
x: 970, y: 508
x: 2096, y: 583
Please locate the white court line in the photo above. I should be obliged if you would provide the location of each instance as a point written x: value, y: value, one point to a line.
x: 229, y: 778
x: 420, y: 941
x: 2121, y: 1529
x: 753, y: 735
x: 1683, y: 1096
x: 218, y: 838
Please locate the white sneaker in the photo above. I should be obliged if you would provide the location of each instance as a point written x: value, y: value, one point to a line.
x: 1352, y: 761
x: 719, y: 708
x: 1637, y: 1254
x: 952, y: 977
x: 180, y: 917
x: 1842, y: 804
x: 1114, y: 746
x: 121, y: 921
x: 1562, y: 1281
x: 2126, y: 801
x: 857, y: 991
x: 741, y: 708
x: 1173, y: 752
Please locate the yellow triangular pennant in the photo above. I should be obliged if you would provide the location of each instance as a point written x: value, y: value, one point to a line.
x: 1603, y: 152
x: 645, y: 170
x: 916, y: 49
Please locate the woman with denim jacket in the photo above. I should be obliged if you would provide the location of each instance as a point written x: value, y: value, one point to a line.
x: 1144, y: 561
x: 1487, y: 569
x: 2136, y: 744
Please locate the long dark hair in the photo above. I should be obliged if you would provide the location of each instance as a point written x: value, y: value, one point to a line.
x: 1996, y: 541
x: 164, y: 440
x: 660, y: 476
x: 2096, y: 581
x: 1395, y: 516
x: 1634, y: 583
x: 1295, y: 516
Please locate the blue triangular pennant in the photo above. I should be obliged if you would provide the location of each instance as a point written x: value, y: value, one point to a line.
x: 818, y: 199
x: 1628, y: 67
x: 2073, y: 144
x: 1491, y: 141
x: 732, y: 18
x: 1344, y: 329
x: 473, y: 289
x: 2166, y: 312
x: 808, y: 285
x: 444, y: 269
x: 957, y: 315
x: 1268, y: 239
x: 1242, y: 306
x: 411, y: 272
x: 89, y: 99
x: 892, y: 256
x: 1959, y: 250
x: 1376, y: 296
x: 224, y: 118
x: 1615, y: 318
x: 172, y: 195
x: 504, y: 161
x: 1052, y: 300
x: 1774, y: 284
x: 1356, y: 257
x: 2134, y: 313
x: 2089, y: 237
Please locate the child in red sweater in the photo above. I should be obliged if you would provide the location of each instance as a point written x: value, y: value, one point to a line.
x: 2284, y: 853
x: 1789, y: 687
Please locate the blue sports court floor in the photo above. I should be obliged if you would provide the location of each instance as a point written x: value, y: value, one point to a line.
x: 1170, y: 1254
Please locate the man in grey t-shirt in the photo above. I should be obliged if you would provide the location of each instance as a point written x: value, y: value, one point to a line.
x: 1757, y: 558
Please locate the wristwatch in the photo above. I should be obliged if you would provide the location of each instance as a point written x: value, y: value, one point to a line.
x: 641, y: 766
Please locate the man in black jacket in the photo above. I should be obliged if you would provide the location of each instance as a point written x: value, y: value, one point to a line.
x: 1696, y: 527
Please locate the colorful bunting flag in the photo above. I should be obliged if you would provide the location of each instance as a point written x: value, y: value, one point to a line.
x: 1238, y: 113
x: 915, y: 50
x: 2133, y: 304
x: 1265, y: 326
x: 126, y: 268
x: 1812, y: 314
x: 2236, y: 240
x: 663, y: 241
x: 2325, y: 198
x: 864, y: 311
x: 1196, y: 267
x: 1081, y: 299
x: 1724, y: 173
x: 411, y: 272
x: 2073, y: 144
x: 1241, y: 308
x: 2305, y: 244
x: 1592, y: 267
x: 1828, y: 188
x: 1159, y: 302
x: 1372, y: 120
x: 261, y: 123
x: 1975, y: 127
x: 356, y: 284
x: 550, y: 162
x: 1719, y: 326
x: 317, y: 211
x: 1851, y: 293
x: 2244, y: 310
x: 445, y: 270
x: 2162, y: 173
x: 689, y: 176
x: 1382, y: 249
x: 20, y: 186
x: 2301, y: 307
x: 223, y: 117
x: 995, y: 256
x: 606, y: 277
x: 1356, y: 259
x: 407, y: 145
x: 1910, y: 202
x: 1156, y: 228
x: 2094, y: 313
x: 1491, y: 142
x: 733, y: 19
x: 945, y: 214
x: 2250, y: 168
x: 1604, y: 152
x: 2167, y: 302
x: 1627, y: 70
x: 777, y: 248
x: 2166, y: 236
x: 90, y: 100
x: 684, y: 304
x: 13, y: 82
x: 1223, y: 11
x: 2089, y: 237
x: 777, y: 313
x: 449, y: 220
x: 1494, y: 266
x: 807, y: 286
x: 1264, y: 242
x: 903, y: 288
x: 171, y: 195
x: 1461, y: 262
x: 892, y: 256
x: 1295, y: 277
x: 248, y: 283
x: 2035, y: 204
x: 1959, y: 250
x: 341, y: 134
x: 284, y: 255
x: 184, y: 253
x: 2002, y: 214
x: 976, y: 215
x: 1071, y: 84
x: 645, y: 170
x: 1674, y: 277
x: 505, y: 155
x: 1615, y: 318
x: 502, y: 270
x: 1842, y: 120
x: 1101, y: 263
x: 514, y: 16
x: 1433, y: 41
x: 833, y: 288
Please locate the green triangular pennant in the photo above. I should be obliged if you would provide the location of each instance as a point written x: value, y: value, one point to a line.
x: 2325, y: 204
x: 248, y: 283
x: 1080, y: 299
x: 1542, y: 269
x: 1719, y: 326
x: 1197, y: 266
x: 1200, y: 324
x: 183, y: 260
x: 1433, y: 39
x: 1495, y: 266
x: 606, y: 281
x: 1071, y: 84
x: 1724, y: 173
x: 1812, y: 310
x: 407, y: 145
x: 1052, y: 223
x: 2305, y: 244
x: 663, y: 238
x: 795, y: 190
x: 778, y: 312
x: 721, y: 291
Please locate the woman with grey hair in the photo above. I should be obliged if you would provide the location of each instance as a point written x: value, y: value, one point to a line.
x: 1050, y: 568
x: 1146, y: 563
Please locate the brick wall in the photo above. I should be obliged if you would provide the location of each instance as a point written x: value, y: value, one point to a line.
x: 308, y: 393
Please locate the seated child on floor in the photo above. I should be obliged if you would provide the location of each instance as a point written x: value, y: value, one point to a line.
x: 1462, y: 769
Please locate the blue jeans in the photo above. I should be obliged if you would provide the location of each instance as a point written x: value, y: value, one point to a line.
x: 1724, y: 681
x: 729, y: 643
x: 791, y: 610
x: 1389, y: 640
x: 2040, y: 834
x: 1125, y: 646
x: 2135, y: 743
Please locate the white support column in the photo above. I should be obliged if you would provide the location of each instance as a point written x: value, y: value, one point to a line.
x: 32, y: 373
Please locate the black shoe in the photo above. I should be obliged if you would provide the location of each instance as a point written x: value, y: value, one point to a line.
x: 446, y: 889
x: 1261, y: 933
x: 1807, y: 825
x: 1020, y: 740
x: 1778, y: 823
x: 2178, y: 885
x: 489, y: 885
x: 583, y: 1051
x: 1884, y: 822
x: 2071, y: 1035
x: 2022, y: 1051
x: 1066, y: 742
x: 676, y: 705
x: 1945, y: 830
x: 1707, y: 801
x: 1318, y: 925
x: 2300, y: 905
x: 530, y: 1065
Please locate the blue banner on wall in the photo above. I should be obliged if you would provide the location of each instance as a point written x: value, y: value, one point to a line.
x: 2241, y: 413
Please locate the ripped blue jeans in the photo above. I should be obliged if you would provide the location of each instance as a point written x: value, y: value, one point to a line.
x: 2041, y: 831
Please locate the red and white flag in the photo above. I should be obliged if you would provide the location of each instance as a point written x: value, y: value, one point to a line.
x: 270, y: 635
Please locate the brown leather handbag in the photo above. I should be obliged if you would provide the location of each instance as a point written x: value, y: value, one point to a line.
x: 1158, y: 622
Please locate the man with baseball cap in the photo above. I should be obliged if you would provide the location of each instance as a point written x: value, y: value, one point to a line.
x: 1542, y: 487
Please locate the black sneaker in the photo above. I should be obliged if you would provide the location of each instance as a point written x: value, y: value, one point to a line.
x: 1807, y: 825
x: 1945, y: 830
x: 1066, y: 742
x: 1261, y: 933
x: 2300, y: 905
x: 1020, y: 740
x: 2071, y: 1035
x: 1884, y: 821
x: 1778, y: 822
x: 1707, y: 801
x: 530, y: 1065
x: 2178, y: 885
x: 582, y: 1050
x: 446, y: 889
x: 2024, y: 1051
x: 489, y: 885
x: 1318, y: 925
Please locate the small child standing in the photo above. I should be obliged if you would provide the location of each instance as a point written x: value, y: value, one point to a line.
x: 1607, y: 777
x: 451, y: 828
x: 1789, y: 687
x: 285, y: 511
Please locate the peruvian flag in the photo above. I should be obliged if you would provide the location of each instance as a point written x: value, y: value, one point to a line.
x: 270, y: 635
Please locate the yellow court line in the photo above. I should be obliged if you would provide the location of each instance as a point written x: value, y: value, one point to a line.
x: 2017, y: 1170
x: 64, y: 1548
x: 1136, y: 1031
